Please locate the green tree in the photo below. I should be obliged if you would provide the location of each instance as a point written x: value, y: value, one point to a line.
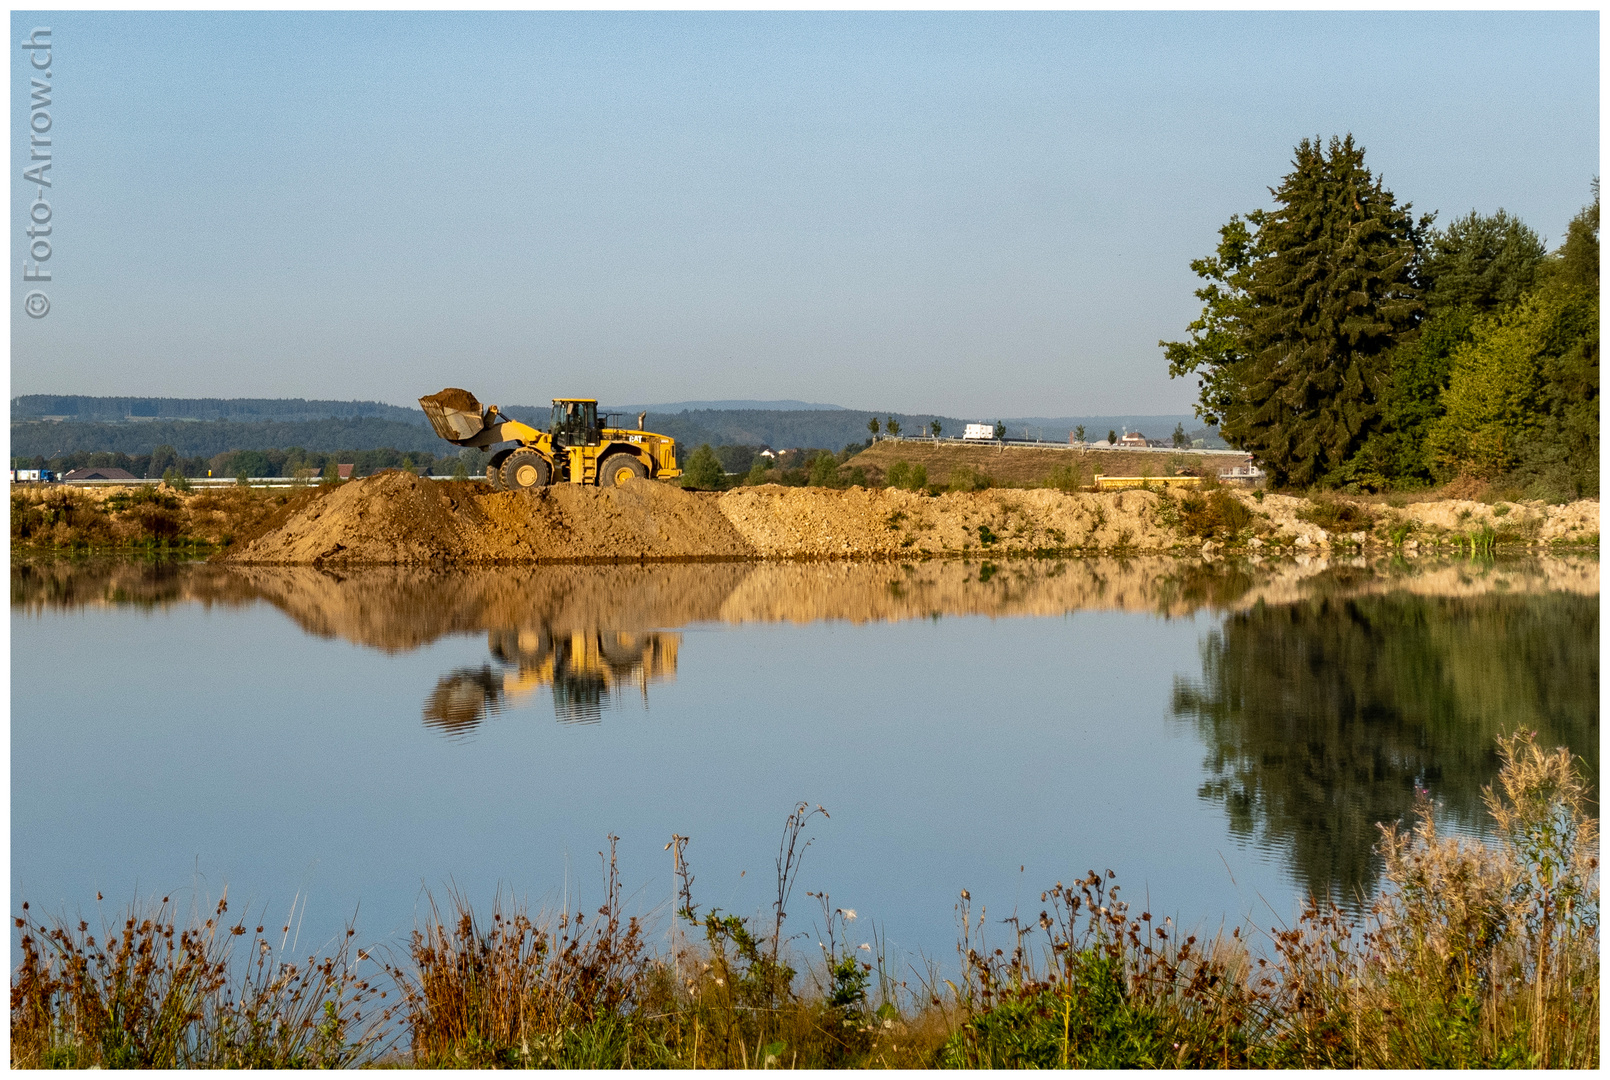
x: 1079, y: 433
x: 1181, y: 440
x: 873, y: 426
x: 1292, y: 347
x: 892, y: 426
x: 1333, y: 291
x: 1215, y: 347
x: 1112, y: 437
x: 935, y: 427
x: 758, y: 470
x: 1577, y: 266
x: 1396, y: 453
x: 163, y: 458
x: 1504, y: 396
x: 703, y: 470
x: 1000, y: 430
x: 824, y: 471
x: 1481, y: 262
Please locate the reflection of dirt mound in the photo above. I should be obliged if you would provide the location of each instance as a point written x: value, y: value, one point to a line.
x: 885, y: 592
x: 400, y: 608
x: 396, y: 518
x: 1357, y: 576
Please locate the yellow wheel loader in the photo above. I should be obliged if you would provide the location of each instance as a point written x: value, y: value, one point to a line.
x: 576, y: 448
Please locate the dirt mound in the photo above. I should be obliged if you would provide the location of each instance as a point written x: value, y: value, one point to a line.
x: 398, y: 519
x: 640, y: 519
x: 784, y: 522
x: 394, y: 517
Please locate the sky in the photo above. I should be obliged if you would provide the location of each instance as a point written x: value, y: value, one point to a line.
x: 957, y: 213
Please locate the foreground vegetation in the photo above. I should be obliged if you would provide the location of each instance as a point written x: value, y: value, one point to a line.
x: 1475, y: 955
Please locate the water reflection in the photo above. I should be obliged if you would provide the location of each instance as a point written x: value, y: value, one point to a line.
x: 1327, y: 694
x: 585, y: 670
x: 1322, y: 715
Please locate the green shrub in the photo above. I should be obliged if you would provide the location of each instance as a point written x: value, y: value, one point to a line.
x: 703, y: 472
x: 967, y: 478
x: 907, y: 477
x: 1337, y: 515
x: 825, y: 472
x: 1068, y: 478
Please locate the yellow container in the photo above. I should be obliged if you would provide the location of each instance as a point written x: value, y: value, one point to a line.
x: 1117, y: 483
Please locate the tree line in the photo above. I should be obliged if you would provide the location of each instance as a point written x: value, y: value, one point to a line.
x: 1348, y: 344
x: 292, y: 462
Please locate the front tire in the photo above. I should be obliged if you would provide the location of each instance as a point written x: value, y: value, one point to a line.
x: 524, y: 470
x: 494, y: 470
x: 617, y: 469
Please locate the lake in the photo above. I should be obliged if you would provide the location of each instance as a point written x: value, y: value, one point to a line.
x: 1225, y: 737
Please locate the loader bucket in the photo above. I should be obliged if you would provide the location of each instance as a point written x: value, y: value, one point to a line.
x: 455, y: 414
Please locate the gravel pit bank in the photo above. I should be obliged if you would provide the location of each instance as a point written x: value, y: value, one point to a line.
x: 397, y: 519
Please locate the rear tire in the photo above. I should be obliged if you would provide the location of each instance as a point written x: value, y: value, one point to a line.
x: 616, y: 469
x: 524, y: 470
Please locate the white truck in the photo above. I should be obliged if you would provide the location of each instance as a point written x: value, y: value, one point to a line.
x: 985, y: 432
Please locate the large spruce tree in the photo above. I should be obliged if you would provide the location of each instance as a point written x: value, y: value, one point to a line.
x: 1332, y: 293
x: 1292, y: 348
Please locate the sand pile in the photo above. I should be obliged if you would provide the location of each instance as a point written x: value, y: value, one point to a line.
x: 640, y: 519
x: 394, y: 517
x: 784, y: 522
x: 397, y: 519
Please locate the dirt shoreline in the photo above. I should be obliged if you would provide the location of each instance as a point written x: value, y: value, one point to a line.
x: 400, y: 520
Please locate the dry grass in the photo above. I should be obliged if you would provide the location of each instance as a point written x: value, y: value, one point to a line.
x: 144, y: 517
x: 1475, y: 955
x: 153, y: 994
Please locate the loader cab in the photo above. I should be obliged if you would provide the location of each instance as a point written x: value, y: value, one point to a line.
x: 574, y: 422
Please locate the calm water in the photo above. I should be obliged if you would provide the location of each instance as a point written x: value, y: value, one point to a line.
x: 1224, y: 738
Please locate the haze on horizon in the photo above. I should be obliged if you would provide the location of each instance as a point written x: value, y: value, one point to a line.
x: 959, y: 213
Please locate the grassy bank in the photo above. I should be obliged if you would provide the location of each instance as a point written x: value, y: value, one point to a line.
x: 1474, y: 956
x: 144, y: 518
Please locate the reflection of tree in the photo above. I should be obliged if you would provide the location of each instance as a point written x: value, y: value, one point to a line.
x: 586, y: 670
x: 1322, y: 716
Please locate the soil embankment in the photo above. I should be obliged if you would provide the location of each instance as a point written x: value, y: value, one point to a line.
x: 399, y: 519
x: 1012, y: 463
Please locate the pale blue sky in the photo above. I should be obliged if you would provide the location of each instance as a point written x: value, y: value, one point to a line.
x: 959, y: 213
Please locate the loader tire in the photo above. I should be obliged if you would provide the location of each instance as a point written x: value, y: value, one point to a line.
x: 494, y: 470
x: 524, y: 470
x: 616, y: 469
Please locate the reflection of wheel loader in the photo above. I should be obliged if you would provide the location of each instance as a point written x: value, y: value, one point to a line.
x: 576, y: 448
x: 585, y: 669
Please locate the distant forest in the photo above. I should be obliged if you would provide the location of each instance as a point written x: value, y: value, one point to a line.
x: 118, y: 410
x: 284, y: 434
